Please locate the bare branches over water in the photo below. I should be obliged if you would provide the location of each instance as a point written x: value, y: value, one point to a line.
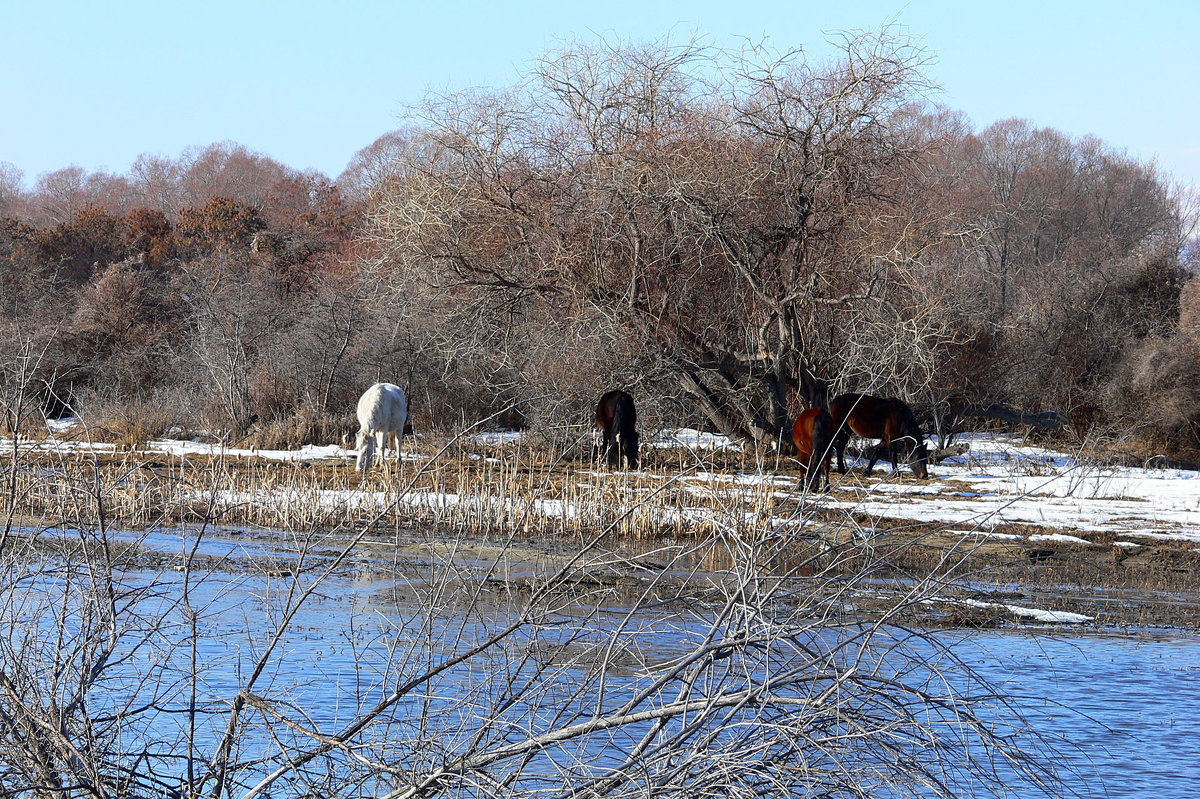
x: 330, y: 670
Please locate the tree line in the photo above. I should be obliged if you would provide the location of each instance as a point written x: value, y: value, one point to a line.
x: 730, y: 236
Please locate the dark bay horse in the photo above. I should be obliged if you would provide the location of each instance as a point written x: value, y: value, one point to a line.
x: 813, y: 436
x: 886, y: 418
x: 616, y: 418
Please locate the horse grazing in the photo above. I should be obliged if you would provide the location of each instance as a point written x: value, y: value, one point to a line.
x: 382, y: 413
x: 886, y: 418
x: 616, y: 418
x: 813, y: 436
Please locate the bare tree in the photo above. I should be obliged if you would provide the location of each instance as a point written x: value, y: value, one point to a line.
x: 158, y: 180
x: 721, y: 225
x: 11, y: 190
x: 237, y: 312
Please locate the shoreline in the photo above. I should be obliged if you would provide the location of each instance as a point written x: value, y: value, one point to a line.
x: 1103, y: 547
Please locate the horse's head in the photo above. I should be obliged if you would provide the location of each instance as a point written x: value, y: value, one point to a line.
x: 364, y: 442
x: 914, y: 443
x: 919, y: 461
x: 916, y: 454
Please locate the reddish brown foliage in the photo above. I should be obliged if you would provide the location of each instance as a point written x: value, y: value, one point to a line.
x: 221, y: 222
x: 74, y: 251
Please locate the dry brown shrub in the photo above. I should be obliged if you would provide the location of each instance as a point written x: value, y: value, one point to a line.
x: 1189, y: 309
x: 1155, y: 390
x: 305, y: 426
x: 132, y: 423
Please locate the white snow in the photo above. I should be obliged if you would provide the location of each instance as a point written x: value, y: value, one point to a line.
x: 691, y: 438
x: 1059, y: 537
x: 501, y: 438
x: 1012, y: 483
x: 1035, y: 614
x: 53, y: 445
x: 308, y: 452
x: 191, y: 448
x: 60, y: 426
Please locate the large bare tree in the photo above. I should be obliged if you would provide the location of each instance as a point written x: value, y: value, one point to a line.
x: 717, y: 209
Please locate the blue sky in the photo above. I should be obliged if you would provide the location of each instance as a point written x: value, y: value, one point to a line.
x: 310, y: 83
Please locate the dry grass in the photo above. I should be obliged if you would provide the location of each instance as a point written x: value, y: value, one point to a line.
x: 464, y: 490
x: 305, y: 426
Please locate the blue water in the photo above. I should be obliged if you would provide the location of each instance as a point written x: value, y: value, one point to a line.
x: 1113, y: 715
x: 1123, y: 710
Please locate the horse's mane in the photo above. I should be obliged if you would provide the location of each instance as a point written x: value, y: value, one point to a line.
x: 909, y: 424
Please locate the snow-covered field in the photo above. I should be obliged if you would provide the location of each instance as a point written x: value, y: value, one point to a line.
x: 1001, y: 488
x: 999, y: 481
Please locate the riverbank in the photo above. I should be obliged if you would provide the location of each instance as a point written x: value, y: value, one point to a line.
x: 1015, y: 534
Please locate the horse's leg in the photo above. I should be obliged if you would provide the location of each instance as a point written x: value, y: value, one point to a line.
x: 628, y: 453
x: 839, y: 446
x: 874, y: 457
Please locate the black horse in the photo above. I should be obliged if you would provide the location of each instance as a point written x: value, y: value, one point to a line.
x: 886, y: 418
x: 616, y: 418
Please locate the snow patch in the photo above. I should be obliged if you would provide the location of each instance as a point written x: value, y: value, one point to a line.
x: 691, y: 438
x: 499, y: 438
x: 1035, y: 614
x: 1059, y: 537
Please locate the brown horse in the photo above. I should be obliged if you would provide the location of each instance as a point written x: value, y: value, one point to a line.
x: 616, y: 418
x: 886, y: 418
x: 813, y: 436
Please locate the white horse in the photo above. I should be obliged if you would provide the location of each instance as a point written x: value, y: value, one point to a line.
x: 382, y: 412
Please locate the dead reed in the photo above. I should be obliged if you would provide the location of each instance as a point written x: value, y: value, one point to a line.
x: 482, y: 492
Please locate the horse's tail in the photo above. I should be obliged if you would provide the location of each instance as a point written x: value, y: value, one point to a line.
x: 823, y: 433
x: 623, y: 426
x: 839, y: 411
